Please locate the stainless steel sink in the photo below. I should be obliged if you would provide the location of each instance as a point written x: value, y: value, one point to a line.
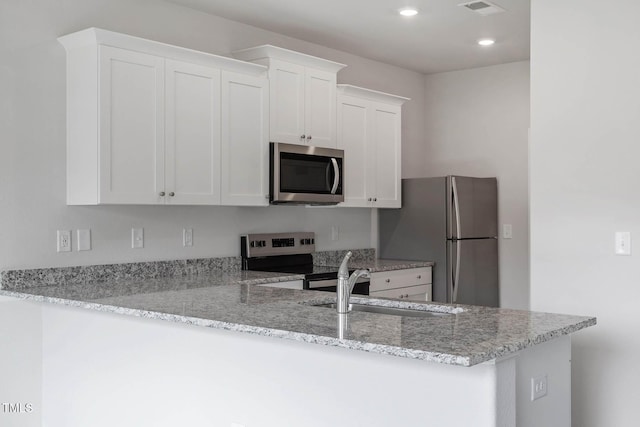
x: 393, y: 311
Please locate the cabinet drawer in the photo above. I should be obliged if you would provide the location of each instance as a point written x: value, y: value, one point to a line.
x: 400, y: 278
x: 419, y: 293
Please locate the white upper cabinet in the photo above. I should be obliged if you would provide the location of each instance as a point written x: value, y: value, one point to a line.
x: 132, y: 153
x: 369, y: 132
x: 245, y: 132
x: 303, y: 95
x: 149, y: 123
x: 192, y: 136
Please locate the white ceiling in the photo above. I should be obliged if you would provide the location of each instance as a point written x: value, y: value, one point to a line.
x: 441, y: 38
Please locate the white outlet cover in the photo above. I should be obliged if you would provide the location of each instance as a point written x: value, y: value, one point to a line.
x: 538, y: 387
x: 137, y: 238
x: 187, y: 237
x: 507, y: 231
x: 63, y: 241
x: 623, y: 243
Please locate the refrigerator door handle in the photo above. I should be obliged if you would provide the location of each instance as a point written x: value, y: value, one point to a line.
x: 456, y: 275
x: 456, y: 207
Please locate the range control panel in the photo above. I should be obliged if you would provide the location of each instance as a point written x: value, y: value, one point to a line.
x: 259, y: 245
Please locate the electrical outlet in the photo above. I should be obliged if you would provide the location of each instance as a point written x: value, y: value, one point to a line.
x: 623, y: 243
x: 538, y: 387
x: 187, y: 237
x: 507, y: 231
x: 137, y: 238
x: 64, y: 241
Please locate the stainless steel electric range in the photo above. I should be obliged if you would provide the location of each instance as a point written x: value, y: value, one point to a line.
x: 292, y: 253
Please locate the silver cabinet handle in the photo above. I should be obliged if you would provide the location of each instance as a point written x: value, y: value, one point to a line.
x: 172, y: 194
x: 336, y: 175
x: 303, y: 136
x: 309, y: 137
x: 162, y: 194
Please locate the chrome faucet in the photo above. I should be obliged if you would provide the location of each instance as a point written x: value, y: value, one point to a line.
x: 346, y: 283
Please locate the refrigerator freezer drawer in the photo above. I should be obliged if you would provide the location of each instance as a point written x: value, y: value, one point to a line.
x: 472, y: 272
x: 399, y: 278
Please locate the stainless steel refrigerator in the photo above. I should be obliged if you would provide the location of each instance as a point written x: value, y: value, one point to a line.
x: 452, y: 221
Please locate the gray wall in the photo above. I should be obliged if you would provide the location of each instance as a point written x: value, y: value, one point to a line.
x: 476, y: 124
x: 32, y: 131
x: 585, y: 186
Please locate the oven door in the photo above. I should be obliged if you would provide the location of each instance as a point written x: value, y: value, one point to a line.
x: 331, y: 285
x: 305, y: 175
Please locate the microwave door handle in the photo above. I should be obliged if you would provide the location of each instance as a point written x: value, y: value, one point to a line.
x: 336, y: 176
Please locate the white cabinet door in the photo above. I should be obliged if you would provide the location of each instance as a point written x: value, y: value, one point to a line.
x: 353, y: 138
x: 369, y: 132
x: 245, y: 144
x: 302, y: 105
x: 192, y: 173
x: 320, y: 108
x: 385, y: 134
x: 131, y: 154
x: 287, y: 85
x: 420, y: 293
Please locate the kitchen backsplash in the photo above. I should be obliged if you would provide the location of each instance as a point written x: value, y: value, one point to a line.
x: 21, y: 279
x: 334, y: 258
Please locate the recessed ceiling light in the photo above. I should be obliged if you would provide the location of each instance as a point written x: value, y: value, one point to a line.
x: 486, y: 42
x: 408, y: 12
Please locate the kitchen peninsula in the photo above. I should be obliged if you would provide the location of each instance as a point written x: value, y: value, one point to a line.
x: 216, y: 349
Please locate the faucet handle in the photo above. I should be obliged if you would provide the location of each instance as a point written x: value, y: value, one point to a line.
x: 343, y: 271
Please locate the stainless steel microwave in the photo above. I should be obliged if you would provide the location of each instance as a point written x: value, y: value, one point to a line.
x: 302, y: 174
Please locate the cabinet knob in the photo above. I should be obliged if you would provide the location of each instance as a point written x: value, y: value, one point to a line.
x: 162, y: 194
x: 303, y: 136
x: 172, y: 194
x: 419, y: 276
x: 369, y: 199
x: 375, y: 199
x: 406, y: 295
x: 388, y: 280
x: 309, y: 137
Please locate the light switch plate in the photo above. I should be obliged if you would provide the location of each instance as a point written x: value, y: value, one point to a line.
x: 84, y: 239
x: 137, y: 238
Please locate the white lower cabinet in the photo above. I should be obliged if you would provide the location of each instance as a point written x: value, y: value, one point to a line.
x: 149, y: 123
x: 413, y: 284
x: 369, y: 132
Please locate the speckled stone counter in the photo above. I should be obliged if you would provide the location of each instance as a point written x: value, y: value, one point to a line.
x: 231, y: 301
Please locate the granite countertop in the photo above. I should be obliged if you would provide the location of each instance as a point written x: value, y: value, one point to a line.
x: 230, y: 301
